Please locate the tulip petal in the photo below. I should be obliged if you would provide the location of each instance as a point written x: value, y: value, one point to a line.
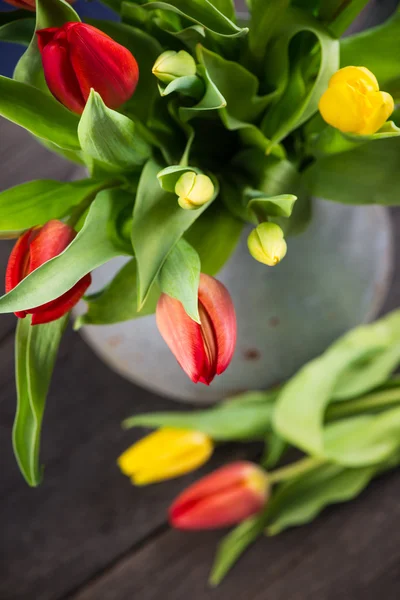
x: 359, y: 77
x: 381, y: 107
x: 343, y: 107
x: 18, y: 264
x: 165, y: 454
x: 49, y: 242
x: 216, y: 300
x: 226, y: 497
x: 51, y: 311
x: 60, y: 76
x: 102, y: 64
x: 182, y: 335
x: 45, y: 36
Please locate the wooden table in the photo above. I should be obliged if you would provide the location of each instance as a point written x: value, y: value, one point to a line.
x: 87, y: 534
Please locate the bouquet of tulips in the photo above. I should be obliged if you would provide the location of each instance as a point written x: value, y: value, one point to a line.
x: 190, y: 123
x: 341, y: 410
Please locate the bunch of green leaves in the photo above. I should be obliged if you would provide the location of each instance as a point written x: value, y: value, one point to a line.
x: 342, y: 410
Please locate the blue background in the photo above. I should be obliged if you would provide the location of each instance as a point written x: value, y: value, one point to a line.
x: 10, y: 53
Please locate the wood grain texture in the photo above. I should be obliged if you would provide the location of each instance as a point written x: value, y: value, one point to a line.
x: 351, y: 552
x: 85, y: 514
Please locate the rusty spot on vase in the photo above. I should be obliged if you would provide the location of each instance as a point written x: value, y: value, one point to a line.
x: 114, y: 341
x: 252, y: 354
x: 274, y: 322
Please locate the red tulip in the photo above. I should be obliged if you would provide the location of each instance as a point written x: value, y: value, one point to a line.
x: 35, y: 247
x: 77, y: 57
x: 226, y: 497
x: 203, y: 351
x: 27, y: 4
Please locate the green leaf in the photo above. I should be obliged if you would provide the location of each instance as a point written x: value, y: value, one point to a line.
x: 120, y: 220
x: 35, y: 353
x: 230, y: 421
x: 17, y: 31
x: 233, y: 545
x: 214, y: 236
x: 71, y: 155
x: 201, y: 12
x: 369, y: 174
x: 274, y: 206
x: 145, y: 49
x: 180, y: 275
x: 332, y: 141
x: 236, y: 84
x: 363, y: 440
x: 269, y: 177
x: 378, y: 49
x: 226, y: 7
x: 212, y: 99
x: 300, y: 500
x: 117, y: 302
x: 110, y: 138
x: 36, y: 202
x: 340, y: 14
x: 49, y: 13
x: 367, y: 375
x: 90, y: 249
x: 266, y: 18
x: 275, y: 447
x: 296, y: 98
x: 189, y: 85
x: 39, y: 113
x: 115, y: 5
x: 158, y: 224
x: 300, y: 408
x: 190, y: 36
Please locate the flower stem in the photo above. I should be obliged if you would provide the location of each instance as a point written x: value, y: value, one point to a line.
x: 378, y: 400
x: 294, y: 470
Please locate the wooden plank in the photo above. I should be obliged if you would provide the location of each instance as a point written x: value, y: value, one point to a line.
x: 351, y: 552
x: 85, y: 514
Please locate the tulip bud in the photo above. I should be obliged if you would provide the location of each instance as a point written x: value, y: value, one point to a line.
x: 193, y: 190
x: 203, y: 350
x: 170, y: 65
x: 27, y: 4
x: 33, y: 248
x: 165, y: 454
x: 353, y: 103
x: 226, y: 497
x: 267, y: 244
x: 78, y: 57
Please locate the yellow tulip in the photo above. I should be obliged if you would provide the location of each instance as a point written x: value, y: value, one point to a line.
x: 353, y: 103
x: 170, y: 65
x: 194, y: 190
x: 165, y: 454
x: 267, y: 244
